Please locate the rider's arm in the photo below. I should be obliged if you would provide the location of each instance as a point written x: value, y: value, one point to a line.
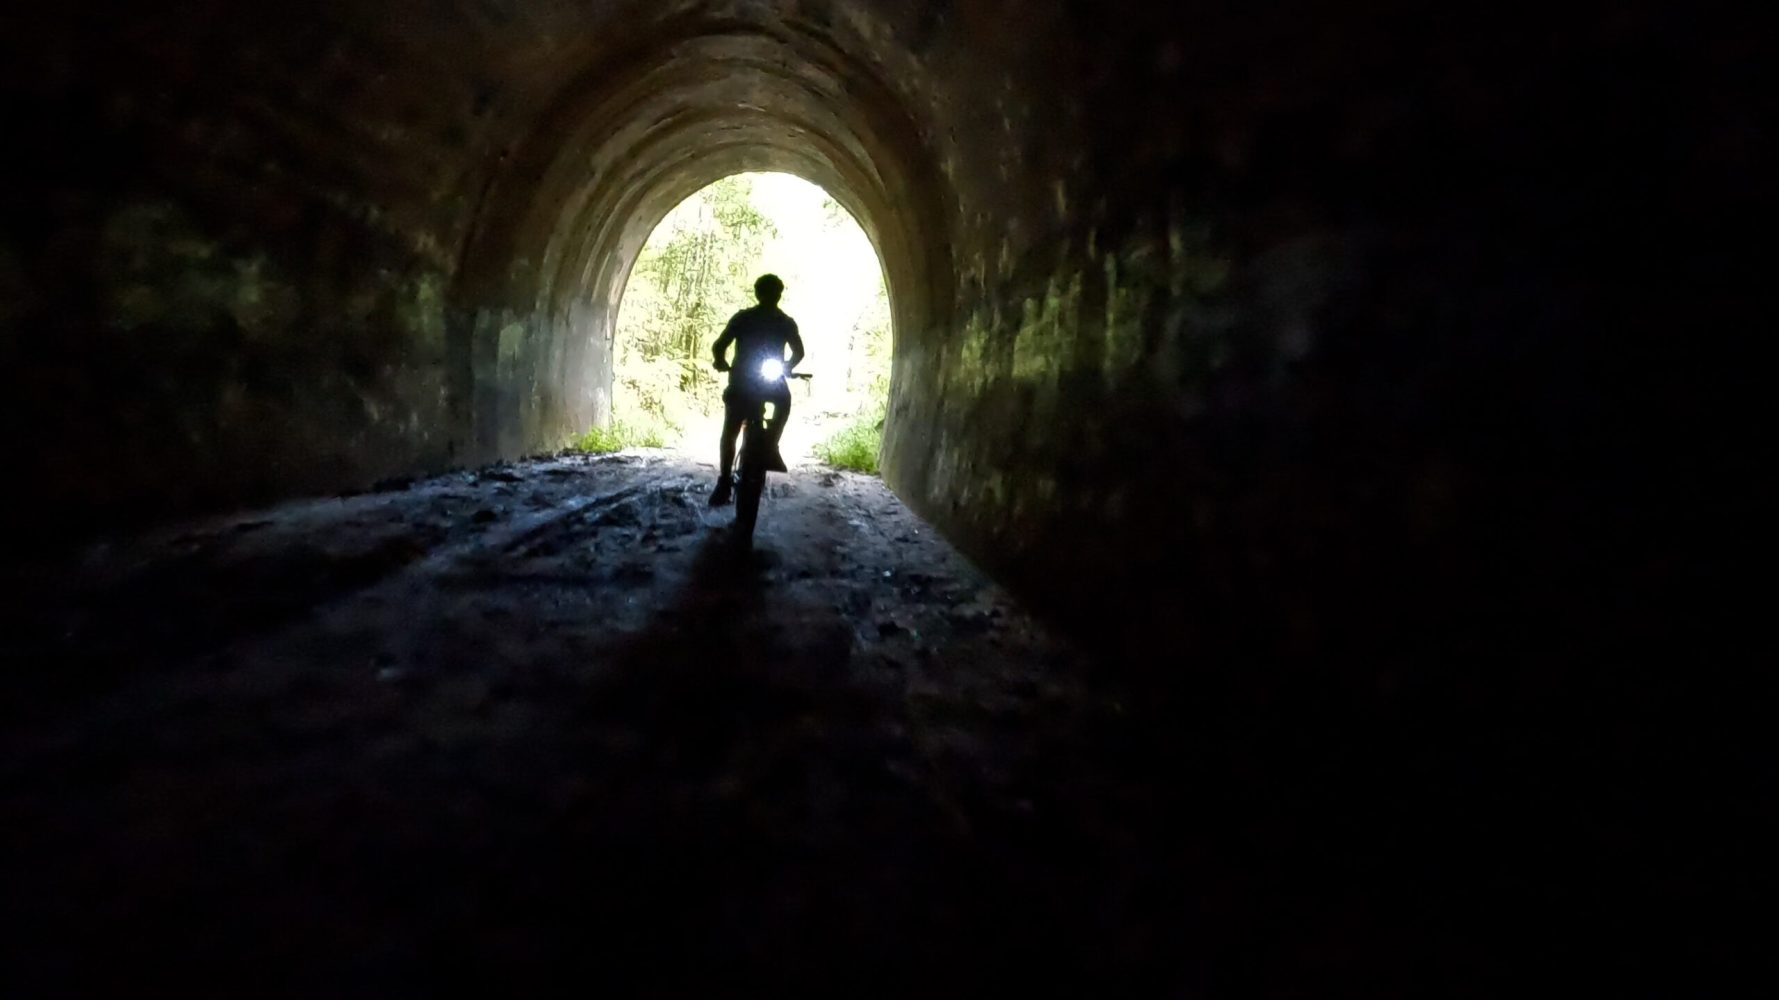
x: 720, y: 349
x: 796, y: 343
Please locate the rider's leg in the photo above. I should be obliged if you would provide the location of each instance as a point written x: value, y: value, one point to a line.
x: 781, y: 415
x: 731, y: 428
x: 732, y: 418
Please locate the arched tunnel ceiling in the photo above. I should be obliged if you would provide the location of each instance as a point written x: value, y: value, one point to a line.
x: 617, y: 151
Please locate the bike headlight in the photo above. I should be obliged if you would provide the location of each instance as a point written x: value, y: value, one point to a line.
x: 772, y: 369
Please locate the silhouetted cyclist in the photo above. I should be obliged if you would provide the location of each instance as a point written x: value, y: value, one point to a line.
x: 760, y: 334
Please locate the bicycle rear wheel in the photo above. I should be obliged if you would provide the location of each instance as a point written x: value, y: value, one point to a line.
x: 753, y: 484
x: 747, y: 507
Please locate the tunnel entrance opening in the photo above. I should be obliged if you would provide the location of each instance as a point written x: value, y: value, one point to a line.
x: 697, y: 269
x: 567, y: 211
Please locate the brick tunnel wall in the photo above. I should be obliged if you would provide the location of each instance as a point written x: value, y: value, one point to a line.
x: 1218, y: 318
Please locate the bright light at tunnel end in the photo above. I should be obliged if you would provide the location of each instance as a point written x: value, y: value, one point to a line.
x: 835, y: 290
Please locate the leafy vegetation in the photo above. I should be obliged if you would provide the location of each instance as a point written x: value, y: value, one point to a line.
x: 620, y: 435
x: 698, y: 269
x: 856, y: 445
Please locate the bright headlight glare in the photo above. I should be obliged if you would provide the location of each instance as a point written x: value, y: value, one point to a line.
x: 772, y: 370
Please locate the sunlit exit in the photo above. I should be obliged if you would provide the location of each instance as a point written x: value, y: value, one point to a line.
x: 698, y: 268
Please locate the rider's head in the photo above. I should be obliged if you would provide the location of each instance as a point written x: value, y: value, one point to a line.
x: 769, y: 290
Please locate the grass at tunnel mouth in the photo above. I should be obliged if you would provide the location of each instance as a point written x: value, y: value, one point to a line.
x: 855, y: 446
x: 619, y: 436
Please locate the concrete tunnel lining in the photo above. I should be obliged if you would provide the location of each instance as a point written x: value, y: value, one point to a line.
x: 1141, y: 256
x: 560, y: 231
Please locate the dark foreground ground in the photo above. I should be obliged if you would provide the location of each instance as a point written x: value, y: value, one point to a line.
x: 542, y: 720
x: 540, y: 726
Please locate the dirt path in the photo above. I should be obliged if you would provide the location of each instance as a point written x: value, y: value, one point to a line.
x: 536, y: 720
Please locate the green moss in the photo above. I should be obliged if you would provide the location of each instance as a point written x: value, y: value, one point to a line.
x: 162, y: 271
x: 971, y: 370
x: 421, y: 311
x: 1127, y: 298
x: 1045, y: 342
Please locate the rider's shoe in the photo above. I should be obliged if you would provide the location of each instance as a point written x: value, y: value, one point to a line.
x: 720, y: 496
x: 775, y: 461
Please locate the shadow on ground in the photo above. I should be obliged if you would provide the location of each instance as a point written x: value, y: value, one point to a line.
x: 570, y: 735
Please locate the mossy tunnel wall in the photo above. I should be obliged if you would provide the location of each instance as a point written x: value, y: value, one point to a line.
x: 1192, y: 300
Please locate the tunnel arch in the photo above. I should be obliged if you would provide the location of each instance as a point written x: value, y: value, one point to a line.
x: 1139, y: 254
x: 567, y: 210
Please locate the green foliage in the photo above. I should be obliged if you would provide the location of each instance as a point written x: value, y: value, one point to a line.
x: 698, y: 269
x: 856, y: 445
x: 868, y: 354
x: 620, y: 435
x: 695, y: 273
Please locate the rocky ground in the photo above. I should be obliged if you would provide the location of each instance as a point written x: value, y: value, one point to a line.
x: 543, y: 720
x: 542, y: 725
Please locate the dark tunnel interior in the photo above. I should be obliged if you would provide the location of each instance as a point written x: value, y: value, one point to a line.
x: 1319, y: 484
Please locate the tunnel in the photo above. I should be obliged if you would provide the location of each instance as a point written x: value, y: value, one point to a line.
x: 1341, y: 384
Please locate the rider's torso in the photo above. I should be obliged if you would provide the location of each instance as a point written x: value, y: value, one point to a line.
x: 761, y: 333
